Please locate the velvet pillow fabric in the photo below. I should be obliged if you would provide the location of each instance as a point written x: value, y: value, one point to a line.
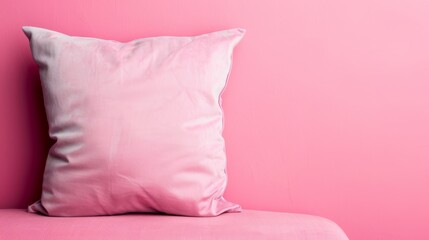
x: 137, y: 125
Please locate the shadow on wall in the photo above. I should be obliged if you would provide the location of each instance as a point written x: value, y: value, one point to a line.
x: 35, y: 130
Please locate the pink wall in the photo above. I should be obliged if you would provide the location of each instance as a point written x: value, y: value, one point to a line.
x: 327, y: 110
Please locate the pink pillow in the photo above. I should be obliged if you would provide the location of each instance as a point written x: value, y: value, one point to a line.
x: 138, y: 125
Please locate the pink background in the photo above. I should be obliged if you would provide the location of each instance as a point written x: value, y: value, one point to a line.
x: 327, y: 108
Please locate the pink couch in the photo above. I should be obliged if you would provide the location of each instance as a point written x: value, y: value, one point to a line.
x: 18, y: 224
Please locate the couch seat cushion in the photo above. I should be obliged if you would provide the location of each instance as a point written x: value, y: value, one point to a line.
x: 18, y: 224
